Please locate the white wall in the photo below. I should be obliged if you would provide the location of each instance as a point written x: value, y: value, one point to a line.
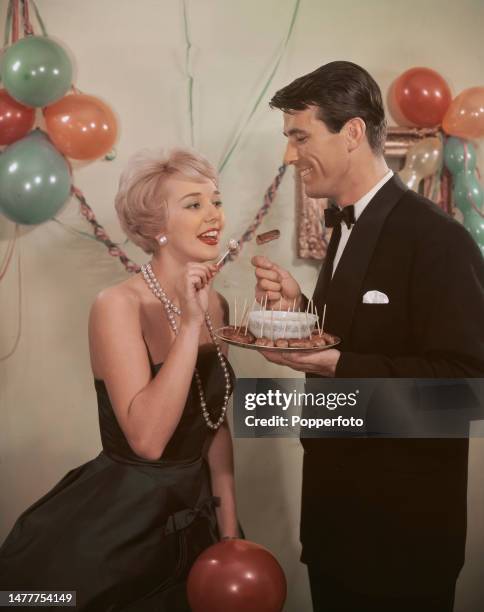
x: 132, y: 54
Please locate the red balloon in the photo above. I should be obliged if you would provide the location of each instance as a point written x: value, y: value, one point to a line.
x: 16, y: 120
x: 394, y: 109
x: 236, y: 575
x: 422, y: 96
x: 81, y: 126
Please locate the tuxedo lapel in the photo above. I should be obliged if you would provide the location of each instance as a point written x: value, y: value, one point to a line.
x: 343, y: 292
x: 324, y: 278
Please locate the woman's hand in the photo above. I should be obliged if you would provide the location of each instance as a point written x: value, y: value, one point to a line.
x: 193, y: 289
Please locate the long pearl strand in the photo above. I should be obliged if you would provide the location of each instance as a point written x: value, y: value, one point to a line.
x: 170, y: 308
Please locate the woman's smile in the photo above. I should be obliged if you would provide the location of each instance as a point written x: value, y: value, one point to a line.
x: 210, y: 237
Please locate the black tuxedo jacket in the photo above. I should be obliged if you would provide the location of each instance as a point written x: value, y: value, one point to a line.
x: 389, y: 515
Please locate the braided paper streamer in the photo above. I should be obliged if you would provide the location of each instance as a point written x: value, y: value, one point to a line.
x: 15, y: 14
x: 8, y: 25
x: 15, y: 21
x: 115, y: 250
x: 269, y: 197
x: 28, y: 28
x: 100, y: 233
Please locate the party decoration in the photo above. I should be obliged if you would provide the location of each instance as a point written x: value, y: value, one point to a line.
x: 101, y: 235
x: 115, y: 250
x: 465, y: 115
x: 81, y: 126
x: 16, y: 120
x: 262, y: 95
x: 35, y: 180
x: 36, y: 71
x: 269, y: 197
x: 394, y: 109
x: 460, y: 159
x: 422, y: 97
x: 423, y: 159
x: 236, y: 575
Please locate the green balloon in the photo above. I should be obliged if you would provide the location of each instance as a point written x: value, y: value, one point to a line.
x: 459, y: 155
x: 474, y: 223
x: 460, y: 159
x: 36, y: 71
x: 34, y: 180
x: 468, y: 193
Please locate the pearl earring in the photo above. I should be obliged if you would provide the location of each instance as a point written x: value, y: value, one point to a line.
x: 162, y: 240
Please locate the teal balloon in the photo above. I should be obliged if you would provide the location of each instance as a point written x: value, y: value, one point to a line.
x: 468, y: 191
x: 34, y: 180
x: 474, y: 223
x: 459, y: 155
x: 36, y: 71
x: 460, y: 159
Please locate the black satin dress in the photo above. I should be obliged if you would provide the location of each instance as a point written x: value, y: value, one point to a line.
x: 119, y: 530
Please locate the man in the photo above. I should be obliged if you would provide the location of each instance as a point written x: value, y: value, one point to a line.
x: 383, y: 520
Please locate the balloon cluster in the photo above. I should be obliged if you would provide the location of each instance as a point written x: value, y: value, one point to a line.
x: 421, y: 97
x: 35, y: 176
x: 460, y: 159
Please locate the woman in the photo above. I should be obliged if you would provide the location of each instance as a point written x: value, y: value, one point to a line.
x: 124, y: 529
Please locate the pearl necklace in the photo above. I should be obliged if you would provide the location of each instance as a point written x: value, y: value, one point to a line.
x: 170, y: 308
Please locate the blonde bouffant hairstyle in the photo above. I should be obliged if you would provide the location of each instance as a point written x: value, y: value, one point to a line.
x: 140, y: 201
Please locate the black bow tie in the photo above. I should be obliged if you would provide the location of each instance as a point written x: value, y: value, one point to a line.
x: 334, y: 216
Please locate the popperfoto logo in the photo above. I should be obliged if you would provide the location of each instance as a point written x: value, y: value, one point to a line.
x: 320, y: 407
x: 301, y: 400
x: 294, y: 411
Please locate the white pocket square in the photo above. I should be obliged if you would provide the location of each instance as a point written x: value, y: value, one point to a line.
x: 375, y: 297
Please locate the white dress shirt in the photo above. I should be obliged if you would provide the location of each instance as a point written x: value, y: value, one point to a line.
x: 359, y: 208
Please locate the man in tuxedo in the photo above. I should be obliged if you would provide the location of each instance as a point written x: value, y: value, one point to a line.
x: 383, y: 521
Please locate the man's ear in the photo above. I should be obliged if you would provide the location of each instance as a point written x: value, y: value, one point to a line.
x: 354, y: 131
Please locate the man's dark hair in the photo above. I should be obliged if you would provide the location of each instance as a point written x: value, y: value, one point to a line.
x: 341, y: 91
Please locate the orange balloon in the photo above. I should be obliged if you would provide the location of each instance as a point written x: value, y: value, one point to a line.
x: 465, y: 117
x: 422, y: 96
x: 81, y: 126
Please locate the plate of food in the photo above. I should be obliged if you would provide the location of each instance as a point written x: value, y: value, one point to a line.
x: 278, y: 330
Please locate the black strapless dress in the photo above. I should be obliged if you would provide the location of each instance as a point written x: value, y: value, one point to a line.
x: 119, y: 530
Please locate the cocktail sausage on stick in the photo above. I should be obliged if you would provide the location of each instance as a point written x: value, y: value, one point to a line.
x: 268, y: 236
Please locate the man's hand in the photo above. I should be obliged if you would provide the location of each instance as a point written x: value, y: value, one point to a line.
x: 281, y: 288
x: 322, y: 363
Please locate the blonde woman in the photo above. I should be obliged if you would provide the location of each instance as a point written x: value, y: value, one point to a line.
x: 124, y: 529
